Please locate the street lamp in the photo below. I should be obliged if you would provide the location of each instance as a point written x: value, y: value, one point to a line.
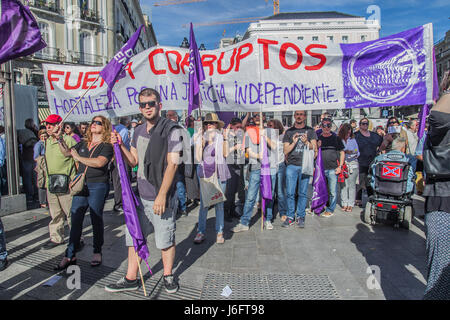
x: 185, y: 43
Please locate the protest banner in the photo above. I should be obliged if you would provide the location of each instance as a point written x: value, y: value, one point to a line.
x: 261, y: 74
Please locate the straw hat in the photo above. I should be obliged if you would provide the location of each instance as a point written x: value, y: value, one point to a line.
x: 212, y: 117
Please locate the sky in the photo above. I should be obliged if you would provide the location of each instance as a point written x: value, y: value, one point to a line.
x: 396, y: 16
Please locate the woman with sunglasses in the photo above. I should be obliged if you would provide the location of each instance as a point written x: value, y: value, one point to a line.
x: 93, y: 155
x: 210, y: 151
x: 368, y: 143
x: 71, y: 130
x: 393, y: 131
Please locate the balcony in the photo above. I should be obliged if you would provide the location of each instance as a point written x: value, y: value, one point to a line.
x: 51, y: 6
x: 48, y: 54
x: 89, y: 15
x: 84, y: 58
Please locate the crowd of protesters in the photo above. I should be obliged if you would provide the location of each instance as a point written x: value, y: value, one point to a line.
x: 216, y: 157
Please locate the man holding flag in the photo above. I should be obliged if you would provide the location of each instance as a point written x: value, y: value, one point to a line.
x: 155, y: 149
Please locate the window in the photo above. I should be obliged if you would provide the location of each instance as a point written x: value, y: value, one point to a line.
x: 341, y: 22
x: 326, y: 23
x: 330, y: 38
x: 312, y: 23
x: 315, y: 38
x: 283, y: 24
x: 363, y: 38
x: 45, y: 32
x: 297, y: 23
x: 345, y: 39
x: 86, y: 48
x: 300, y: 38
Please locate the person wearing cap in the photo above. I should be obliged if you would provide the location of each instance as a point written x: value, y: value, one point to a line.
x: 211, y: 148
x: 57, y: 163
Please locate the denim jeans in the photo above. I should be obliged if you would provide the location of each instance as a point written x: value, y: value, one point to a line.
x: 234, y: 184
x: 294, y: 173
x: 181, y: 194
x: 281, y: 189
x: 94, y: 199
x: 3, y: 253
x: 203, y: 213
x: 332, y: 189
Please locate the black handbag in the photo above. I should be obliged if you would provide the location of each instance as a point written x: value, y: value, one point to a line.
x: 57, y: 183
x: 436, y: 161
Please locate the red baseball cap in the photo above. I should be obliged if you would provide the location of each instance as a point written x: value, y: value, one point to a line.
x: 53, y: 119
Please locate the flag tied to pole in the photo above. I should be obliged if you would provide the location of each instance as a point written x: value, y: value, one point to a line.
x: 320, y: 190
x: 19, y: 31
x: 115, y: 69
x: 196, y: 73
x: 266, y: 183
x: 129, y: 204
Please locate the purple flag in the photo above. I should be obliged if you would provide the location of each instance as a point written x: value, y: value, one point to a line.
x: 266, y: 183
x: 422, y: 120
x: 19, y: 31
x: 115, y: 69
x: 226, y: 116
x: 129, y: 204
x: 435, y: 79
x: 196, y: 73
x: 320, y: 190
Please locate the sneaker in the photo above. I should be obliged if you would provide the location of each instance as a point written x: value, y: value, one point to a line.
x: 199, y: 238
x: 220, y: 239
x: 239, y: 228
x: 3, y: 264
x: 268, y: 225
x: 123, y: 285
x: 184, y: 213
x: 301, y: 223
x: 287, y: 223
x: 171, y: 284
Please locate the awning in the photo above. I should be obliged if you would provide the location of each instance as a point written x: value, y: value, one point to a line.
x: 43, y: 113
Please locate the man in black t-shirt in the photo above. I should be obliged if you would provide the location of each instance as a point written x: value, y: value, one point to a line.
x: 333, y: 157
x: 295, y: 140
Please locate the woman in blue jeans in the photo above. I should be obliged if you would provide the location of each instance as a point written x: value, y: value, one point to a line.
x: 210, y: 152
x: 93, y: 155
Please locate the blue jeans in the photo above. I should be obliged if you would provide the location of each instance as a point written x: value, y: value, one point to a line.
x: 294, y: 173
x: 181, y: 193
x: 219, y: 213
x: 251, y: 196
x: 332, y: 189
x: 3, y: 253
x: 94, y: 199
x: 281, y: 189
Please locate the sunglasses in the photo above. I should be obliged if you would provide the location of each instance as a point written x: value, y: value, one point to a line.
x: 150, y: 104
x: 364, y: 123
x: 393, y: 122
x: 326, y: 125
x: 99, y: 123
x: 210, y: 123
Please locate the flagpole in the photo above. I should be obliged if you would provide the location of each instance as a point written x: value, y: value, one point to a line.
x: 140, y: 272
x: 260, y: 146
x: 79, y: 99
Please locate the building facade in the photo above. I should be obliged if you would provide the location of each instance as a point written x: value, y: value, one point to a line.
x: 81, y: 32
x: 442, y: 52
x: 323, y: 27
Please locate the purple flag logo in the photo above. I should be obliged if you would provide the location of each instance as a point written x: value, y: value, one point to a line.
x: 115, y: 69
x: 266, y: 183
x: 196, y: 73
x: 129, y: 204
x: 320, y: 190
x: 19, y: 31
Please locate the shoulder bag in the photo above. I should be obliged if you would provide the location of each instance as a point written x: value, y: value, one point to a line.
x: 436, y: 160
x: 78, y: 182
x: 57, y: 183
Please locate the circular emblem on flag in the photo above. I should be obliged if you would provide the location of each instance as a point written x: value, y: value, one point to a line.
x: 384, y: 80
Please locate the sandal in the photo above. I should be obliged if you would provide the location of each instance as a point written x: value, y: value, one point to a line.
x: 220, y: 239
x: 96, y: 263
x: 349, y: 209
x: 65, y: 263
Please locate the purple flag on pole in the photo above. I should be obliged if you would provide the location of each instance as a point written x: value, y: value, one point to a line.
x: 422, y: 120
x: 320, y: 190
x: 129, y: 204
x: 266, y: 183
x: 19, y: 31
x: 115, y: 69
x: 196, y: 73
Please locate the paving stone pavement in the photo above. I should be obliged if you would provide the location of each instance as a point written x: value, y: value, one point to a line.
x: 337, y: 250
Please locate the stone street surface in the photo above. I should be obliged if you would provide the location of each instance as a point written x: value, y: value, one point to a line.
x: 329, y: 259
